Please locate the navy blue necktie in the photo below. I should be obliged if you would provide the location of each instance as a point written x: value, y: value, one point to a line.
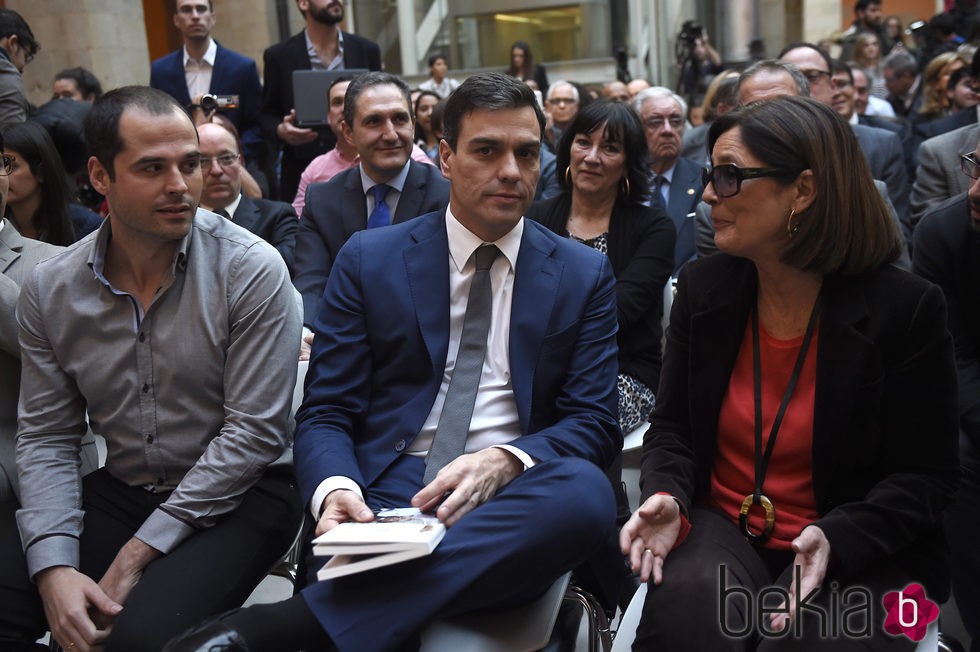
x: 380, y: 216
x: 658, y: 192
x: 457, y: 411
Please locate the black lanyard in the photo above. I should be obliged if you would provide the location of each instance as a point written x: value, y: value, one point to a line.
x: 762, y: 458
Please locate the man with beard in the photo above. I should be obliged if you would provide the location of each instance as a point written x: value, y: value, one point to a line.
x: 947, y: 252
x: 867, y: 18
x: 320, y: 46
x: 675, y: 181
x: 151, y: 331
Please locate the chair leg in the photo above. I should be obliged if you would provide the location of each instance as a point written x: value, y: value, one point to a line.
x: 600, y: 636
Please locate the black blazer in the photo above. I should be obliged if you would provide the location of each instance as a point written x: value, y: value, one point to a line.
x: 337, y: 209
x: 279, y: 62
x: 273, y: 221
x: 885, y: 418
x: 641, y: 250
x: 947, y: 252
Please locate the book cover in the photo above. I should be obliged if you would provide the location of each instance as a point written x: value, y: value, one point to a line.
x: 394, y: 536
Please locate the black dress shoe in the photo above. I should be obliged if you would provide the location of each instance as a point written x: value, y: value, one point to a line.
x: 213, y: 635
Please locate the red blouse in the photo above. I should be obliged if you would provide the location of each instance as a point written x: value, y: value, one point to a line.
x: 789, y: 479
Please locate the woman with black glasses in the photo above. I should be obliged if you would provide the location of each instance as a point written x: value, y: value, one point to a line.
x: 805, y: 431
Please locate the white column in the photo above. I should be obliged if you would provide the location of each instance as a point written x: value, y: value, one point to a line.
x: 407, y: 33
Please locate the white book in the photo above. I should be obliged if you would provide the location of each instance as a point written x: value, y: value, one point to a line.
x: 394, y: 536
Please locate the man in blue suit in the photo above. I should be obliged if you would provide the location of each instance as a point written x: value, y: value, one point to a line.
x: 526, y: 500
x: 203, y: 66
x: 676, y: 181
x: 378, y: 121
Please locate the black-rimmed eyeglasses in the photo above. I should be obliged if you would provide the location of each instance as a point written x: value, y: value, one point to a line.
x: 970, y: 166
x: 727, y: 178
x: 8, y: 165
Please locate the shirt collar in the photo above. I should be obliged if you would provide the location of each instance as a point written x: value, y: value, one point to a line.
x: 230, y: 208
x: 854, y: 119
x: 209, y: 54
x: 96, y: 259
x: 396, y: 183
x: 314, y: 56
x: 463, y: 242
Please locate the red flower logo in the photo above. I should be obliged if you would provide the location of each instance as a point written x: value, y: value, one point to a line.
x: 909, y: 612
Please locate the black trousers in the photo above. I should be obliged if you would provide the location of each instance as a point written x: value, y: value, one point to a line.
x: 212, y: 571
x: 710, y: 599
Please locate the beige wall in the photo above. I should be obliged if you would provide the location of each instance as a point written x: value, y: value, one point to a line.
x: 106, y: 36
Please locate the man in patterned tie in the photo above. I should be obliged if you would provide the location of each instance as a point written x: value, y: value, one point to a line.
x: 378, y: 120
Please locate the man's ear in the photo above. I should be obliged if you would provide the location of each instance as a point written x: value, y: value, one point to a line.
x: 98, y: 176
x: 445, y: 159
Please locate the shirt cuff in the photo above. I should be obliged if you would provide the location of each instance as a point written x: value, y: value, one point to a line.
x: 55, y: 550
x: 523, y: 457
x: 332, y: 483
x: 685, y: 522
x: 164, y: 532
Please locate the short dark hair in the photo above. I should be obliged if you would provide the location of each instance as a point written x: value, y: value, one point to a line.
x: 840, y: 66
x: 956, y: 76
x: 362, y: 82
x: 806, y: 44
x: 33, y: 144
x: 210, y: 5
x: 102, y: 122
x: 620, y: 124
x: 862, y: 5
x: 847, y: 229
x: 13, y: 24
x: 436, y: 57
x: 87, y: 83
x: 490, y: 91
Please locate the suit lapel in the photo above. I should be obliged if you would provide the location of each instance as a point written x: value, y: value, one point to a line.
x: 842, y: 367
x: 247, y: 214
x: 411, y: 198
x: 683, y: 192
x: 428, y: 281
x: 11, y: 244
x: 353, y: 206
x: 180, y: 78
x: 536, y: 282
x: 219, y: 69
x: 718, y: 331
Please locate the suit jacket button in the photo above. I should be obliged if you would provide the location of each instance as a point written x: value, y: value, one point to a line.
x: 399, y: 445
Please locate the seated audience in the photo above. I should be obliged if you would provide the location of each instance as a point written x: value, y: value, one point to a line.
x: 947, y: 244
x: 150, y: 331
x: 530, y: 388
x: 801, y: 330
x: 221, y: 162
x: 939, y: 176
x: 604, y: 163
x: 39, y: 203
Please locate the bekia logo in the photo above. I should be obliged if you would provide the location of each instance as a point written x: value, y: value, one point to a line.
x: 909, y: 612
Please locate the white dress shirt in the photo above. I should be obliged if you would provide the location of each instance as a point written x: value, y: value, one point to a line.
x: 198, y: 73
x: 495, y: 420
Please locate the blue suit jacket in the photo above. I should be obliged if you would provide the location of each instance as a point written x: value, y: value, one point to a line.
x: 383, y: 335
x: 685, y: 193
x: 233, y: 74
x: 336, y: 209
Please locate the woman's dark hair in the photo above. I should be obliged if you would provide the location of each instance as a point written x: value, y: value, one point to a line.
x: 31, y: 142
x: 419, y: 135
x: 620, y: 124
x: 847, y: 229
x: 87, y: 83
x: 528, y: 67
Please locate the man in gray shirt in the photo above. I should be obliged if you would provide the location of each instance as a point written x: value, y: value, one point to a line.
x: 178, y: 332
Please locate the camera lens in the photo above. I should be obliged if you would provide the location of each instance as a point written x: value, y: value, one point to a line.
x: 209, y: 103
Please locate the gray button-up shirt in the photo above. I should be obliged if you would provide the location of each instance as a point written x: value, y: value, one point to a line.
x: 192, y: 397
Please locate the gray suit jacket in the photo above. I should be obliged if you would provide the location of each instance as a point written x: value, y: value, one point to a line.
x: 883, y: 151
x: 13, y: 99
x: 18, y: 256
x: 938, y: 177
